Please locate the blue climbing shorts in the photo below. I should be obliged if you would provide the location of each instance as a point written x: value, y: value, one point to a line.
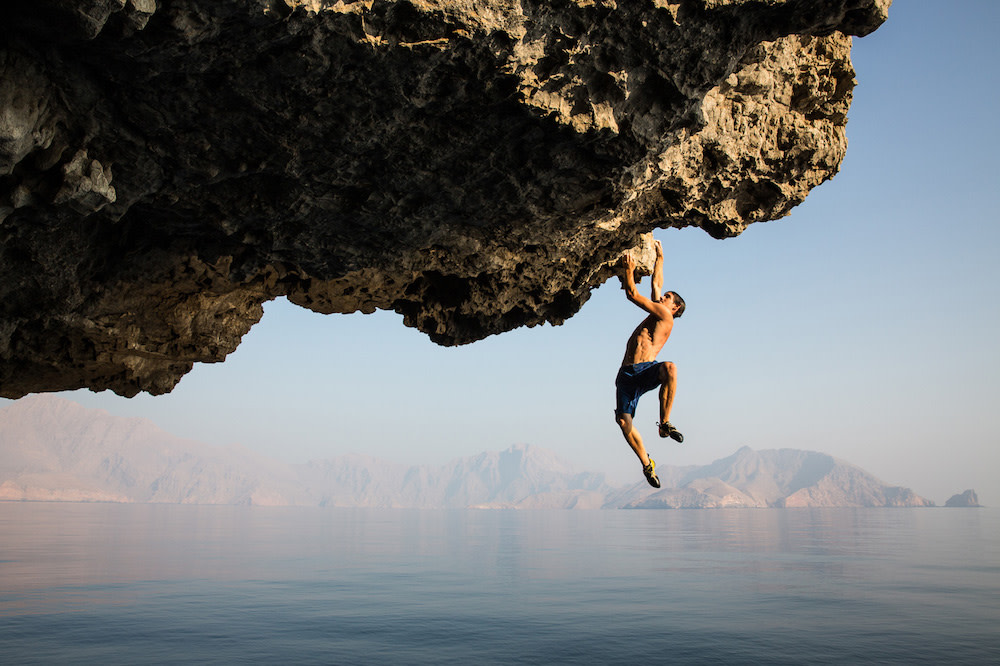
x: 632, y: 382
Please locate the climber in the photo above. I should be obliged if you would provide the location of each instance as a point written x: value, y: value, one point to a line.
x: 640, y: 372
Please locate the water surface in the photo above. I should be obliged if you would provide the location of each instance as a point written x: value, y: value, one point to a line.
x: 168, y: 584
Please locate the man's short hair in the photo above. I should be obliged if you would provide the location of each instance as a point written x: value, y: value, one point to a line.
x: 680, y: 303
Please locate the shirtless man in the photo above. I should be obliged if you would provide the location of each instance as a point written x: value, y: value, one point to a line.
x: 640, y: 372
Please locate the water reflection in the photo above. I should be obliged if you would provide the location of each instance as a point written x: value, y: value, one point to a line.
x: 79, y: 548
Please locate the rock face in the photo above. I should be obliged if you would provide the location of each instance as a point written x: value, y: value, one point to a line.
x: 966, y: 499
x: 166, y: 166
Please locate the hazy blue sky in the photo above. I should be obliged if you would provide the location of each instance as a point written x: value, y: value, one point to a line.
x: 864, y: 325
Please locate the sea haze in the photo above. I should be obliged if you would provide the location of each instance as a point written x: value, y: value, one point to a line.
x: 168, y: 584
x: 55, y: 450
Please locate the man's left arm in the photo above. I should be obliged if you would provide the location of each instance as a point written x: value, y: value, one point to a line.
x: 657, y: 272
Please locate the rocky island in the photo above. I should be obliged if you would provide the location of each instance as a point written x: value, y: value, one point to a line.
x: 966, y: 499
x: 167, y: 166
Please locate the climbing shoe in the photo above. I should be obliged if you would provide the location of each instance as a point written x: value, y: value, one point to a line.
x: 667, y: 430
x: 650, y: 472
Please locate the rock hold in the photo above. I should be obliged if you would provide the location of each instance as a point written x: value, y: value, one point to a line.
x: 165, y: 168
x: 86, y: 185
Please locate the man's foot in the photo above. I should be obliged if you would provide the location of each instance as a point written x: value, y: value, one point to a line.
x: 650, y: 472
x: 667, y: 430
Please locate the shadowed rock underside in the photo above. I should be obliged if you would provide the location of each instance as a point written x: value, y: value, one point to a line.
x: 167, y: 166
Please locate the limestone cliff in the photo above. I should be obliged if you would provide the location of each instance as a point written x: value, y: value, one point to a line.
x: 166, y: 166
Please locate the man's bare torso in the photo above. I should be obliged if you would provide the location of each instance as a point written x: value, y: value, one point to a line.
x: 647, y: 340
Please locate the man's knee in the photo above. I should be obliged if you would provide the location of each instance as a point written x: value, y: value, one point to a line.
x: 668, y: 371
x: 624, y: 422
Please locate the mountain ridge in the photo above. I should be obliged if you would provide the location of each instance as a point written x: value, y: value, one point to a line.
x: 54, y: 450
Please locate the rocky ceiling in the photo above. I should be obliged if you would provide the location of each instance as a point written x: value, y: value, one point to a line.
x: 167, y: 166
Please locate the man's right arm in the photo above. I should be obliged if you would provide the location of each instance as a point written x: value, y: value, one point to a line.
x: 632, y: 292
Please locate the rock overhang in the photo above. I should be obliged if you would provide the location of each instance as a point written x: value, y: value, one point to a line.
x: 167, y: 167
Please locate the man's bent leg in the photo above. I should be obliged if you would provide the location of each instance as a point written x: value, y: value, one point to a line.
x: 668, y: 388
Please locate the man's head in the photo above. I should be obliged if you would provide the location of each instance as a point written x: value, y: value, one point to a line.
x: 672, y: 298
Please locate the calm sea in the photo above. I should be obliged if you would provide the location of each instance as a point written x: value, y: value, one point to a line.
x: 168, y: 584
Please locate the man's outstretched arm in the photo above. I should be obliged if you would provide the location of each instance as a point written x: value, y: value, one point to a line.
x: 632, y: 292
x: 657, y: 272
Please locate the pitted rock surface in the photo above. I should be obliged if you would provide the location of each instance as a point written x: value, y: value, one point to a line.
x: 167, y: 166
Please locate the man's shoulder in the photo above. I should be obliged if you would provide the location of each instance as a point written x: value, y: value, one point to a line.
x: 661, y: 315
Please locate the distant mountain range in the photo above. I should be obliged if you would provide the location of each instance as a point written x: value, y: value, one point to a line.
x: 52, y: 449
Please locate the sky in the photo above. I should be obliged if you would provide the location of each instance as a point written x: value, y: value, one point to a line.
x: 863, y: 325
